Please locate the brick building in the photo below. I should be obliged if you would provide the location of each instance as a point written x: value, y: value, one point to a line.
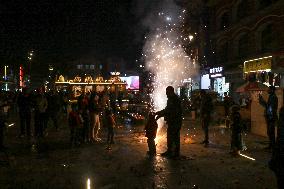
x: 242, y: 32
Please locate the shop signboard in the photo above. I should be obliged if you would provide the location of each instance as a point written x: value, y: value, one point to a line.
x: 216, y: 72
x: 260, y: 64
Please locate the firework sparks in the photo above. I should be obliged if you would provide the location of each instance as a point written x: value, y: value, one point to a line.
x: 165, y: 56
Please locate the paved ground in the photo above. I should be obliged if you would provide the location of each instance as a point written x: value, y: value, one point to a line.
x: 51, y: 163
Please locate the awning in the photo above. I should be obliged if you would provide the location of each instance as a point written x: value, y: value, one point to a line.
x: 251, y: 86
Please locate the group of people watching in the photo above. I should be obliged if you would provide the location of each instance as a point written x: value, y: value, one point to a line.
x: 46, y: 108
x: 84, y: 119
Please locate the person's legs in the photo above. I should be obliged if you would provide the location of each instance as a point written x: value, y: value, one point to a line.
x: 28, y: 124
x: 205, y: 124
x: 169, y: 145
x: 96, y: 127
x: 271, y: 133
x: 22, y: 123
x: 151, y: 146
x: 176, y: 139
x: 92, y: 126
x: 36, y: 124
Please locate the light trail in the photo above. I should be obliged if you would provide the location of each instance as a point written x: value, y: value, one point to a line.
x: 247, y: 157
x: 88, y: 183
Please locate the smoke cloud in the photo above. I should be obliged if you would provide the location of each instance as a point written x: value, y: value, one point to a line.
x: 163, y: 52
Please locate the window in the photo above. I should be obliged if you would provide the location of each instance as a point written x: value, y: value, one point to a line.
x: 264, y: 3
x: 223, y: 53
x: 87, y: 67
x: 92, y: 67
x: 242, y: 9
x: 243, y: 46
x: 79, y: 66
x: 224, y: 21
x: 268, y: 42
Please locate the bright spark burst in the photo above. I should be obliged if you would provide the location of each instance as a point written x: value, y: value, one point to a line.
x: 165, y: 57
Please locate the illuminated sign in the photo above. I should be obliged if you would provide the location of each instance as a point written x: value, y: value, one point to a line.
x: 21, y: 74
x: 259, y: 64
x: 114, y: 73
x: 216, y: 72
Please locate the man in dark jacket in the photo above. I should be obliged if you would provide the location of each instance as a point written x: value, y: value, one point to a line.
x: 206, y: 107
x: 25, y: 106
x: 270, y: 114
x: 173, y: 116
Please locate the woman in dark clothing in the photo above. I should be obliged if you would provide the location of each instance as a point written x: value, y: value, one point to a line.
x: 276, y: 164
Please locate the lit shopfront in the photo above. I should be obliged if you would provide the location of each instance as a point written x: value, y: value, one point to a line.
x: 267, y: 70
x: 218, y: 81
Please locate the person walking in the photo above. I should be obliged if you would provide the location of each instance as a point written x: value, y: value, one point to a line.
x: 173, y: 116
x: 206, y: 107
x: 270, y: 114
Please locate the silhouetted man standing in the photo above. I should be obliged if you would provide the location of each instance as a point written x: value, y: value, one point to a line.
x: 173, y: 116
x: 206, y: 107
x: 25, y: 112
x: 270, y: 114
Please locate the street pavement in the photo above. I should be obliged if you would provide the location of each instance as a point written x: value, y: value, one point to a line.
x: 51, y: 163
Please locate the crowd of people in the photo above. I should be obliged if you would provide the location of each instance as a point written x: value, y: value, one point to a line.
x: 47, y: 108
x: 84, y: 120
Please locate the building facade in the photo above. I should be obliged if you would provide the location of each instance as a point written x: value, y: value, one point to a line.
x: 242, y: 34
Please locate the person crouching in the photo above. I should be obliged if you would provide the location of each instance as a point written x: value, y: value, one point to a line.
x: 151, y: 132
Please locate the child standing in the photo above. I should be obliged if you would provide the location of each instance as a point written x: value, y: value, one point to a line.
x: 151, y: 131
x: 75, y: 121
x: 236, y: 126
x: 110, y: 121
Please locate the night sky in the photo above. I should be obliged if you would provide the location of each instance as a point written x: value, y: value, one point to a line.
x: 68, y: 30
